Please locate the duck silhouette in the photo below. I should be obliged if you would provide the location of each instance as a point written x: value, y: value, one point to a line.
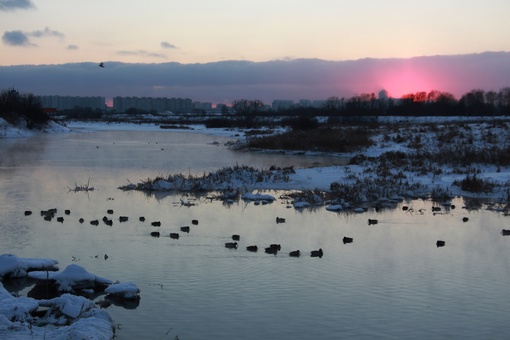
x: 295, y: 253
x: 316, y: 253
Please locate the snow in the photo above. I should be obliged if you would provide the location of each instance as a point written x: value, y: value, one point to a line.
x: 73, y: 278
x: 67, y: 316
x: 20, y: 130
x: 126, y: 290
x: 301, y: 205
x: 334, y: 207
x: 122, y: 126
x: 258, y: 197
x: 12, y: 266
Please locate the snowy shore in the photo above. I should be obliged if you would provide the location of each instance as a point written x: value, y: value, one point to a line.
x: 372, y: 175
x: 68, y: 315
x: 409, y: 137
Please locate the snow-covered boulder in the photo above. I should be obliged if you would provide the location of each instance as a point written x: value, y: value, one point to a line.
x: 67, y: 317
x: 73, y: 278
x: 334, y: 207
x: 15, y: 309
x: 12, y: 266
x: 301, y: 205
x: 258, y: 197
x: 126, y: 290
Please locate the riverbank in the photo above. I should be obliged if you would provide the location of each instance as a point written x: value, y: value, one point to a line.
x: 407, y: 159
x: 437, y: 157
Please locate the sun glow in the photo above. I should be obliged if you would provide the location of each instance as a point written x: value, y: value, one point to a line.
x: 405, y: 80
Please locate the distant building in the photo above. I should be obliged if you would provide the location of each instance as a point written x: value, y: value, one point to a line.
x: 71, y: 102
x: 206, y: 106
x: 305, y: 103
x: 319, y: 103
x: 282, y: 104
x: 175, y: 105
x: 383, y: 95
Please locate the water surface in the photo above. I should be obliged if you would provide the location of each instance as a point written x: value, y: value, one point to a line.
x: 391, y: 282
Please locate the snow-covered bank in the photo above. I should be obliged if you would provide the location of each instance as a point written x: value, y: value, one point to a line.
x: 418, y: 143
x: 21, y: 131
x: 406, y: 160
x: 66, y: 316
x: 104, y: 126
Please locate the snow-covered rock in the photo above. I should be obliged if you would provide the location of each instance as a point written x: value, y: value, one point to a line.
x: 67, y: 317
x: 126, y: 290
x: 334, y: 207
x: 12, y: 266
x: 301, y: 205
x: 258, y: 197
x: 73, y: 278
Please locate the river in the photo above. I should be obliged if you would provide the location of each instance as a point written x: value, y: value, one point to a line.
x: 390, y: 282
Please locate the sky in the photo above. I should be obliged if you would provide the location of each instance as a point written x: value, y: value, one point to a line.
x: 203, y: 31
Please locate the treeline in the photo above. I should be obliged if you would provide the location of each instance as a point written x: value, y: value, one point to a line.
x: 15, y: 106
x: 434, y: 103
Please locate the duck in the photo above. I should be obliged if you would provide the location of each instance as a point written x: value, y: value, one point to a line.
x: 236, y: 237
x: 174, y: 236
x: 280, y: 220
x: 372, y: 221
x: 347, y: 239
x: 275, y: 246
x: 440, y: 243
x: 317, y: 253
x: 295, y: 253
x: 231, y: 245
x: 252, y: 248
x: 271, y: 250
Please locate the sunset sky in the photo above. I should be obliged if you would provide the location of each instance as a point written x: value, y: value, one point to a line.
x: 196, y: 31
x: 202, y: 31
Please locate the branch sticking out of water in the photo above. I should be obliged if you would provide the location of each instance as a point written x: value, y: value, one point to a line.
x: 85, y: 187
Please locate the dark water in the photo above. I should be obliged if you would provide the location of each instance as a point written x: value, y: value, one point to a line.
x: 391, y: 282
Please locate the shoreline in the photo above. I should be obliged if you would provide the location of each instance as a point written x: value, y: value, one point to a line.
x: 401, y: 180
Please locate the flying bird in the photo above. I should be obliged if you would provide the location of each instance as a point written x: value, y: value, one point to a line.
x: 101, y: 64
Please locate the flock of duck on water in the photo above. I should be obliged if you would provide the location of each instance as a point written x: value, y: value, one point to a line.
x: 49, y: 214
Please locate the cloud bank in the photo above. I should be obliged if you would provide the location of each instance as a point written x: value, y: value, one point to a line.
x: 11, y: 5
x: 223, y: 82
